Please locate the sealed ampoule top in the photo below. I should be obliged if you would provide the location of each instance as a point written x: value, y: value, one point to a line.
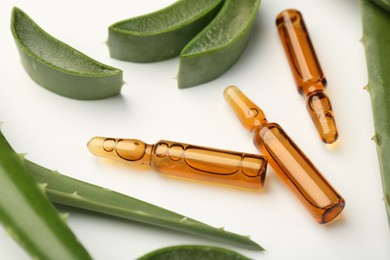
x: 185, y: 160
x: 287, y: 160
x: 308, y: 75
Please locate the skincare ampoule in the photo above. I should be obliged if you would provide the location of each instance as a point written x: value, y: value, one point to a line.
x: 287, y: 160
x: 308, y: 75
x: 185, y: 160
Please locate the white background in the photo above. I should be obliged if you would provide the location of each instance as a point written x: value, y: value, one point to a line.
x: 54, y: 130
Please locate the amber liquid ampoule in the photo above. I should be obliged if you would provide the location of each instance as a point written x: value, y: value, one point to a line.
x: 185, y: 160
x: 288, y: 161
x: 309, y: 78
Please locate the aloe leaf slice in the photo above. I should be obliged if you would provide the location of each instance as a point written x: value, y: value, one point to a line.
x: 193, y: 252
x: 376, y: 39
x: 219, y: 45
x: 28, y: 216
x: 160, y: 35
x: 384, y: 3
x: 71, y: 192
x: 60, y: 68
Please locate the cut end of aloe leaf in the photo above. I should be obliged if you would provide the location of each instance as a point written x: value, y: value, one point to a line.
x: 60, y: 68
x: 218, y: 46
x: 193, y: 252
x: 160, y: 35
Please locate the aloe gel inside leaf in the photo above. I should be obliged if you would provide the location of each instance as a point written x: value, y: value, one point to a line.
x: 44, y: 47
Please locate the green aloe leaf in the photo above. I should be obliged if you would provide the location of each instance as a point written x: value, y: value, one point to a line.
x: 218, y: 46
x: 384, y: 3
x: 59, y: 67
x: 376, y: 39
x: 28, y: 216
x: 193, y: 252
x: 160, y: 35
x: 68, y: 191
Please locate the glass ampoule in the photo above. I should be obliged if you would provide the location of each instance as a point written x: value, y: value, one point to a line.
x: 287, y: 160
x: 185, y: 160
x: 308, y: 75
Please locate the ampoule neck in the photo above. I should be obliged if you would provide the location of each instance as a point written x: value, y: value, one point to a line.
x: 259, y: 120
x: 250, y: 115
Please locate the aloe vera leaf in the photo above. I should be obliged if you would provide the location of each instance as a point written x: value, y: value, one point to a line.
x: 28, y: 216
x: 160, y: 35
x: 218, y: 46
x: 71, y: 192
x: 376, y: 39
x: 193, y: 252
x: 60, y: 68
x: 384, y: 3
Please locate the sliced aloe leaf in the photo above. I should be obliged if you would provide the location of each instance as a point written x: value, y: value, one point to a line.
x: 219, y: 45
x: 60, y: 68
x: 193, y: 252
x: 27, y: 214
x: 384, y: 3
x: 68, y: 191
x: 376, y: 39
x: 160, y: 35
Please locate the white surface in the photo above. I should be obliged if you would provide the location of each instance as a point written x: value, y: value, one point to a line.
x: 54, y: 130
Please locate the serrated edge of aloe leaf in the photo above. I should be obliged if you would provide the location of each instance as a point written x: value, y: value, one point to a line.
x: 168, y: 29
x: 88, y: 196
x: 28, y: 216
x: 376, y: 88
x: 247, y: 28
x: 108, y: 69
